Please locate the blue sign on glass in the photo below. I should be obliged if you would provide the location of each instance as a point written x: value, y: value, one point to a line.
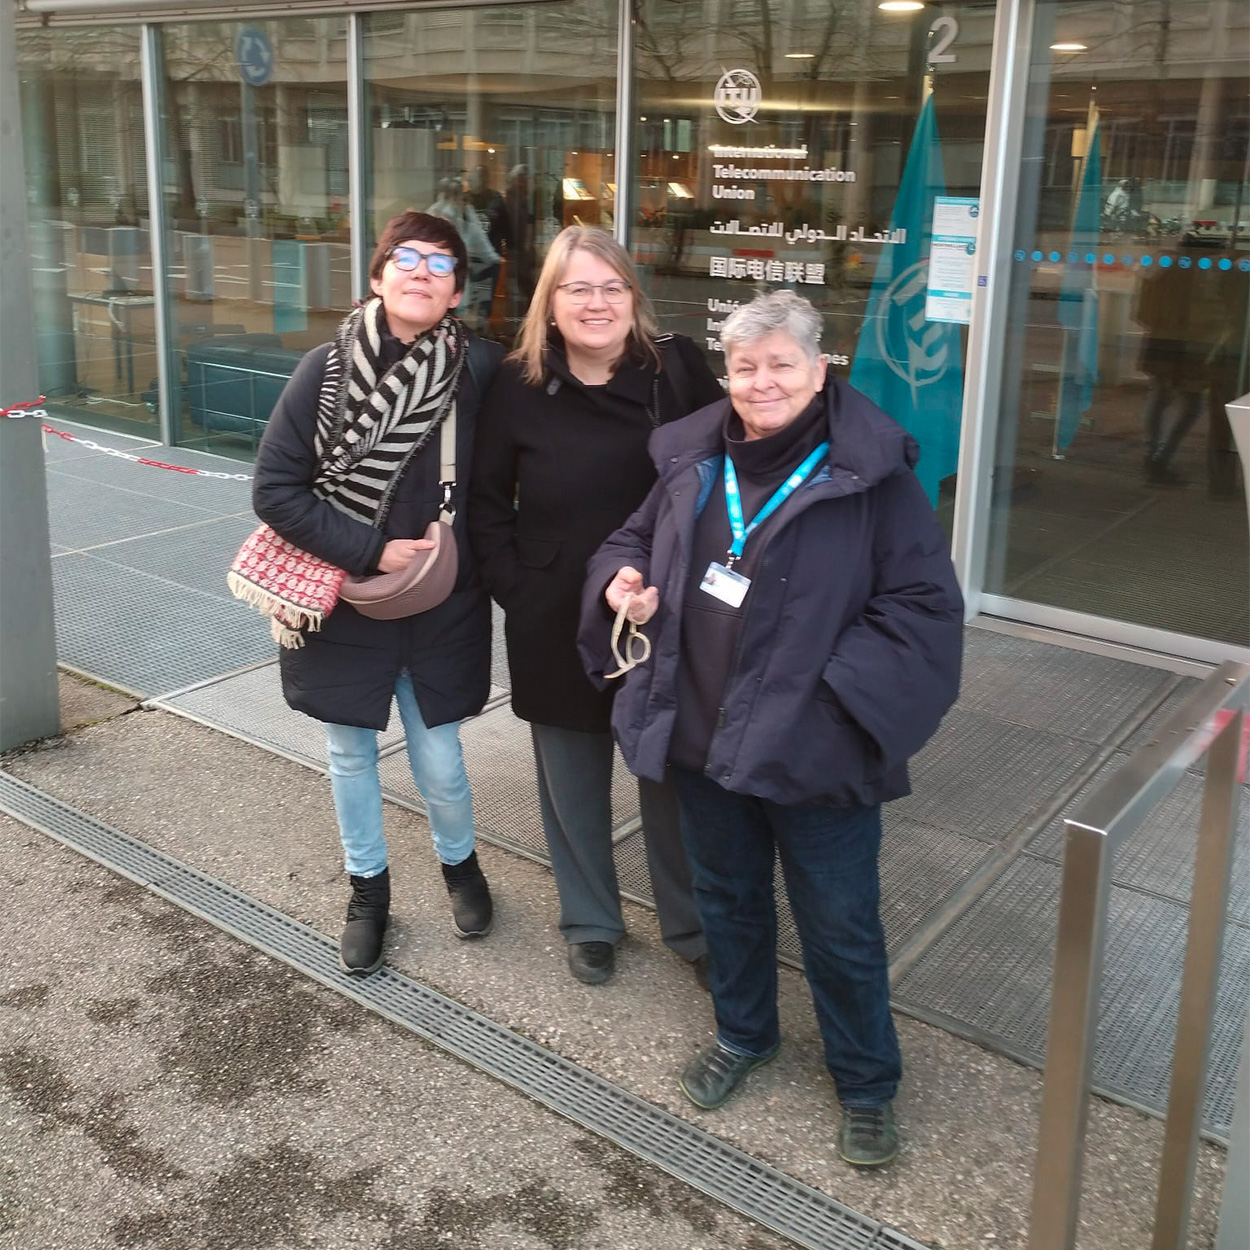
x: 254, y: 54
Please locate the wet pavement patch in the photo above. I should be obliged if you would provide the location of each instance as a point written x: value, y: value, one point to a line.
x: 281, y: 1196
x: 38, y: 1083
x: 247, y: 1026
x: 113, y: 1012
x: 26, y: 996
x: 633, y: 1185
x: 458, y: 1220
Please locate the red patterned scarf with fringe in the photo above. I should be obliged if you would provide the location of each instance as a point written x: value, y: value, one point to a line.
x: 370, y: 423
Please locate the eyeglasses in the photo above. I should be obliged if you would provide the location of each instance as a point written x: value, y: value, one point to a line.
x: 408, y: 260
x: 579, y: 292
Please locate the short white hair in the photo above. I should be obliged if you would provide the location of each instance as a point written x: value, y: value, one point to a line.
x: 778, y: 312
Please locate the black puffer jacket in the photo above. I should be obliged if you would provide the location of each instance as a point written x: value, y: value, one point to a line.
x: 346, y: 672
x: 851, y: 641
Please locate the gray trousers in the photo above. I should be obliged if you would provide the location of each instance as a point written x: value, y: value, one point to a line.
x: 575, y: 795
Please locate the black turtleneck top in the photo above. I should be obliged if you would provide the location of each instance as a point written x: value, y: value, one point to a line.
x: 710, y: 627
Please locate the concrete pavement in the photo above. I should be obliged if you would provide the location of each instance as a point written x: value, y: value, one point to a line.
x: 163, y: 1085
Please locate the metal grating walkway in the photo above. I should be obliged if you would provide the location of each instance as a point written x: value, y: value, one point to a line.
x: 762, y: 1193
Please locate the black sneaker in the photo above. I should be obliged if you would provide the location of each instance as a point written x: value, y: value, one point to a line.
x: 472, y: 911
x: 715, y: 1073
x: 868, y: 1137
x: 368, y: 912
x: 592, y: 963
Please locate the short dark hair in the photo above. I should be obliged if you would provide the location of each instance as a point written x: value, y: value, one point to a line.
x: 424, y: 228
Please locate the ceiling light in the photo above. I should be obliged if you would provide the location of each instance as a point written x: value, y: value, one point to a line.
x: 1069, y: 47
x: 800, y: 56
x: 901, y: 6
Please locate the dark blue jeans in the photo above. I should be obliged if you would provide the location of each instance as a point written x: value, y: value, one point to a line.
x: 829, y: 861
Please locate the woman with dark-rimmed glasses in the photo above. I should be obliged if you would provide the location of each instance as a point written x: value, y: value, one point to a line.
x: 349, y: 471
x: 561, y: 461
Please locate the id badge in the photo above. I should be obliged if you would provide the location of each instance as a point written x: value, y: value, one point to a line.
x: 724, y: 584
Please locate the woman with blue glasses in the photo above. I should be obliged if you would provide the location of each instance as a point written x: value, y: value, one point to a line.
x: 349, y: 471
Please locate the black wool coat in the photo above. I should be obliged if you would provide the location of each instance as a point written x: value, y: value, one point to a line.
x: 556, y: 469
x: 346, y: 672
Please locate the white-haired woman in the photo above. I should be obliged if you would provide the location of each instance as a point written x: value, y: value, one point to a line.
x: 561, y: 460
x: 806, y: 638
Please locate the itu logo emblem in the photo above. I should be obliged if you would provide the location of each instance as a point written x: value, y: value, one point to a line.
x: 737, y: 96
x: 919, y: 351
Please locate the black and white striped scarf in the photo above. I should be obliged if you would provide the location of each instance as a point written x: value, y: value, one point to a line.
x: 370, y: 421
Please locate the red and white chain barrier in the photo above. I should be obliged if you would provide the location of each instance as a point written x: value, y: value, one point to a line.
x: 30, y: 409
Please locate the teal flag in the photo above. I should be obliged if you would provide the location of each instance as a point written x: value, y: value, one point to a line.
x: 1078, y: 302
x: 910, y: 366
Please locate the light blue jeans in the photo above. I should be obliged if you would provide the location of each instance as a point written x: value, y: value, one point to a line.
x: 437, y: 767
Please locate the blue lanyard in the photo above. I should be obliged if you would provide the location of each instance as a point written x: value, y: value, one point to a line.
x: 733, y: 500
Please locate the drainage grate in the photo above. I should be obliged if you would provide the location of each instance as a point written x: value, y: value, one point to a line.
x: 732, y: 1177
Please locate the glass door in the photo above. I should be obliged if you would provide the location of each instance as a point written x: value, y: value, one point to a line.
x: 501, y: 119
x: 255, y: 160
x: 833, y: 148
x: 90, y: 249
x: 1119, y: 500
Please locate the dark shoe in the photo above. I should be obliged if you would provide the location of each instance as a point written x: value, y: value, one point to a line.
x: 1160, y: 473
x: 700, y: 966
x: 713, y: 1075
x: 868, y: 1137
x: 368, y: 911
x: 592, y: 963
x: 471, y: 908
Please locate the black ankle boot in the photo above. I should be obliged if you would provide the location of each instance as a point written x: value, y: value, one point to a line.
x: 471, y: 907
x: 368, y: 910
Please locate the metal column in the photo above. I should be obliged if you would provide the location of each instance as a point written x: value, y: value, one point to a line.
x: 622, y: 210
x: 1234, y: 1230
x: 987, y: 333
x: 29, y: 700
x: 167, y: 370
x: 359, y: 134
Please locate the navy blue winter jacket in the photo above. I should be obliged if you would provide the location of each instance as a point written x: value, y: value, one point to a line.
x: 851, y: 641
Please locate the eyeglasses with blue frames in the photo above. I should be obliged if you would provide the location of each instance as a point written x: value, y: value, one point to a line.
x: 408, y: 260
x: 615, y: 292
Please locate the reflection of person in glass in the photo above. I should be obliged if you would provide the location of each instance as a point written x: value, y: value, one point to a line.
x: 522, y: 261
x: 786, y: 694
x: 492, y: 213
x: 490, y: 207
x: 1191, y: 320
x: 561, y: 461
x: 479, y: 290
x: 351, y: 475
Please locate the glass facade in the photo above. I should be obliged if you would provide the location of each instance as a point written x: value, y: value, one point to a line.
x: 789, y: 143
x: 824, y: 145
x: 1118, y: 492
x: 500, y: 119
x: 87, y: 197
x: 254, y: 158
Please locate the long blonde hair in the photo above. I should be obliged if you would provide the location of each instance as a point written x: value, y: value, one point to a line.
x: 532, y: 340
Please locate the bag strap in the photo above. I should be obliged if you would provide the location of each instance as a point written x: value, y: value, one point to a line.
x: 481, y: 365
x: 447, y: 465
x: 678, y: 375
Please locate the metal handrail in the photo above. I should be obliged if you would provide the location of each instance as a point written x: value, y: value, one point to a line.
x: 1212, y: 721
